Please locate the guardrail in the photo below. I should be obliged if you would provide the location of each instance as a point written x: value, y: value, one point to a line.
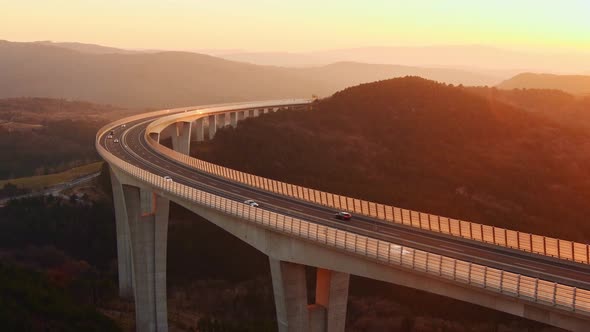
x: 526, y: 288
x: 537, y: 244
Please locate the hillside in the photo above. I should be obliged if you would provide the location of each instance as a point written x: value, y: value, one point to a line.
x: 167, y: 79
x: 41, y: 136
x: 86, y: 48
x: 559, y: 106
x: 426, y: 146
x: 574, y: 84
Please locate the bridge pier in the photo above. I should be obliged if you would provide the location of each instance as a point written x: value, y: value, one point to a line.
x: 166, y: 133
x: 328, y: 314
x: 181, y: 137
x: 198, y: 130
x: 155, y: 137
x: 241, y: 115
x: 332, y: 294
x: 290, y: 294
x: 212, y: 124
x: 124, y: 258
x: 147, y: 216
x: 233, y: 119
x: 220, y: 120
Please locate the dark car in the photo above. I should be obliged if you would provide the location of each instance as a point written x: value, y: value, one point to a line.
x: 343, y: 215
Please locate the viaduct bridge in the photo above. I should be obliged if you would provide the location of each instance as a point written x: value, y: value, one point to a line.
x: 532, y: 276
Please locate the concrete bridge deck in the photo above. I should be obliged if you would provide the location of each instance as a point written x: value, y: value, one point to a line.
x: 549, y: 290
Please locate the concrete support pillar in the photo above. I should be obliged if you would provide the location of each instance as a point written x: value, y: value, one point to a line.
x: 220, y: 120
x: 181, y: 137
x: 148, y: 225
x: 290, y: 294
x: 317, y: 318
x: 233, y: 119
x: 332, y: 294
x: 166, y: 133
x: 212, y: 125
x: 155, y: 137
x: 124, y: 258
x: 198, y: 130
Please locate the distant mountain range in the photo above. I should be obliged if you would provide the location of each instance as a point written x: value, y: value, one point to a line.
x: 574, y: 84
x: 87, y: 48
x: 165, y: 79
x: 475, y: 58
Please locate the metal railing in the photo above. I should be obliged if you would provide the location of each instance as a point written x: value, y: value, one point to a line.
x: 537, y: 244
x: 520, y: 286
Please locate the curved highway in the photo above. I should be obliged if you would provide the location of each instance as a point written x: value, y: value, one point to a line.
x: 133, y: 148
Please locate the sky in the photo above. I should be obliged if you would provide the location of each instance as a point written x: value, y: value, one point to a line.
x: 302, y: 25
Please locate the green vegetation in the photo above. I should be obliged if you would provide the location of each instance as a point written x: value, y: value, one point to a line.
x: 208, y: 324
x: 82, y: 231
x: 30, y: 302
x: 40, y: 136
x: 66, y: 252
x: 556, y: 105
x: 44, y: 181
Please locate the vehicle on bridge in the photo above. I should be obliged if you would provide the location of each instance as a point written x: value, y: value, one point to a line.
x: 552, y: 291
x: 343, y: 215
x: 116, y: 140
x: 251, y: 202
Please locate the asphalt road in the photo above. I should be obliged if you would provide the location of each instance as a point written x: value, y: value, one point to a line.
x: 134, y: 149
x: 52, y: 190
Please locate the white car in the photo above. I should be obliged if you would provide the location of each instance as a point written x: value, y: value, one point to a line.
x: 109, y: 136
x: 251, y: 202
x: 167, y: 178
x: 123, y: 125
x: 116, y: 140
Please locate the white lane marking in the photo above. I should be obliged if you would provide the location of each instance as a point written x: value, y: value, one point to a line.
x: 529, y: 266
x: 450, y: 248
x: 294, y: 208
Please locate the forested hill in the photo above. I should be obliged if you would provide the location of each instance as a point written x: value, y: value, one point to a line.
x: 426, y: 146
x: 40, y: 136
x: 575, y: 84
x: 554, y: 104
